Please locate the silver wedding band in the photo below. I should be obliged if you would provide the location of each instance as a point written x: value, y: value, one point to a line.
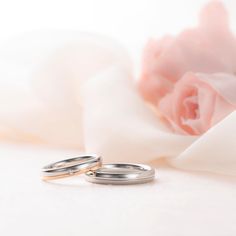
x: 121, y: 173
x: 95, y: 172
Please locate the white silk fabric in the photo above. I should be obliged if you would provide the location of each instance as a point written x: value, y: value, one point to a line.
x: 77, y: 90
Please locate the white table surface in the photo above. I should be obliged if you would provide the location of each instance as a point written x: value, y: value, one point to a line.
x: 176, y: 204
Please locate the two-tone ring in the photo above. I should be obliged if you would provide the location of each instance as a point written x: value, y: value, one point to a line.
x: 70, y: 167
x: 95, y: 172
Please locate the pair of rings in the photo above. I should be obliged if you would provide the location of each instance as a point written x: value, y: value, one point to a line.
x: 96, y: 172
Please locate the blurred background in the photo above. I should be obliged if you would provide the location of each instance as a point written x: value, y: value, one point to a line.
x: 131, y: 22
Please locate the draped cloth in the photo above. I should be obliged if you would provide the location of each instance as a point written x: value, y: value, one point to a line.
x: 78, y: 90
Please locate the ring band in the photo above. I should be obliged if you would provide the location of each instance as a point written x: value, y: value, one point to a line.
x: 121, y: 173
x: 71, y: 167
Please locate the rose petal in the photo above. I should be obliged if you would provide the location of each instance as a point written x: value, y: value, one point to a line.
x: 224, y: 84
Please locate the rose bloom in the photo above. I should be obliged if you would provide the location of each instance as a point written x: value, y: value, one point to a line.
x: 190, y: 104
x: 196, y: 103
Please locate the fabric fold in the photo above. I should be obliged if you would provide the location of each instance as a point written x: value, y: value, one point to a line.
x: 212, y: 152
x: 79, y: 92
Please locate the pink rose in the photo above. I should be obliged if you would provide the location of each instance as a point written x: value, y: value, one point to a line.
x: 208, y: 49
x: 198, y: 101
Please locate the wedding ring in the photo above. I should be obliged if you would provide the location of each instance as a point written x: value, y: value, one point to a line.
x: 71, y: 167
x: 121, y: 173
